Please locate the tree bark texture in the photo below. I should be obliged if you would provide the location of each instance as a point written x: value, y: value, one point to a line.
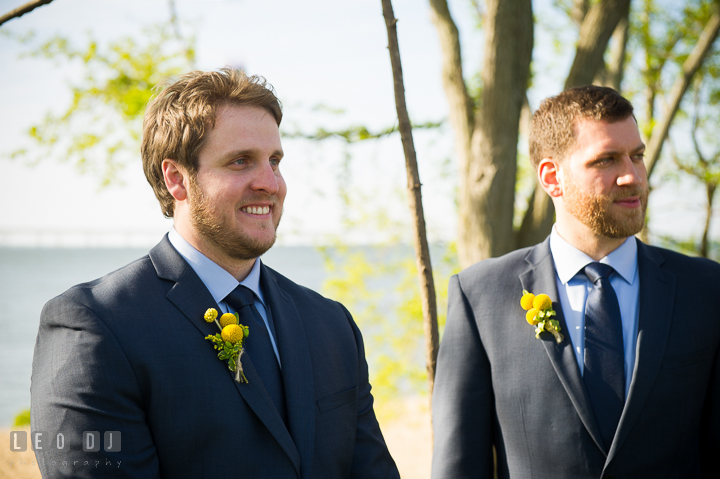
x: 20, y: 11
x: 616, y: 66
x: 595, y: 32
x: 422, y: 251
x: 487, y: 204
x: 691, y: 65
x: 461, y: 107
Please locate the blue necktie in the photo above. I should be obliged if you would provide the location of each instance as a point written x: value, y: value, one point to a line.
x: 258, y: 346
x: 604, y: 372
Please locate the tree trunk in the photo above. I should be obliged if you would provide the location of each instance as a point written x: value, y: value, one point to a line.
x: 578, y: 11
x: 595, y: 32
x: 616, y: 66
x: 487, y: 192
x: 538, y: 219
x: 461, y: 108
x: 422, y: 252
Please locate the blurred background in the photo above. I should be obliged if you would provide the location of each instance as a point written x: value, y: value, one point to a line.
x: 76, y: 75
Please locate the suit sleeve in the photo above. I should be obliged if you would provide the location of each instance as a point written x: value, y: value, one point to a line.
x: 371, y: 458
x: 710, y: 425
x: 463, y: 400
x: 82, y: 381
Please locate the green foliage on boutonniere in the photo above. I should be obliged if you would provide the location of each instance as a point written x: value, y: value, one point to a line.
x: 540, y: 313
x: 230, y: 341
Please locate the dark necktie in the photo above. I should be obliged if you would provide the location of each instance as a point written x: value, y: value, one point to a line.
x: 258, y: 346
x: 604, y: 372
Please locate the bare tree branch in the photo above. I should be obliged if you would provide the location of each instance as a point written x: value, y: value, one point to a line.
x: 676, y: 159
x: 20, y: 11
x: 701, y: 170
x: 696, y: 124
x: 595, y: 31
x: 578, y: 10
x: 691, y: 65
x: 460, y: 104
x: 422, y: 251
x: 616, y: 66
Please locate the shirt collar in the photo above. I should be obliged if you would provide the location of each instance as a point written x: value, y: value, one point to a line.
x: 569, y: 260
x: 219, y: 282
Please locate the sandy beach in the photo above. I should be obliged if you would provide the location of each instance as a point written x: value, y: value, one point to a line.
x: 407, y: 436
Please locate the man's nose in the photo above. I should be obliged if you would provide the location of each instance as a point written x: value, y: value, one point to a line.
x: 265, y: 178
x: 632, y: 173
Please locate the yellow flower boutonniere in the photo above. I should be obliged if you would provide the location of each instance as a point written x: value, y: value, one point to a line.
x: 230, y: 341
x: 539, y: 313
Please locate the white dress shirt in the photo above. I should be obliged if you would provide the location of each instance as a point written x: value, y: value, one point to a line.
x: 219, y: 282
x: 573, y: 287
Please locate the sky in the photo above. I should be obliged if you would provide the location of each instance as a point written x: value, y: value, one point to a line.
x: 322, y: 52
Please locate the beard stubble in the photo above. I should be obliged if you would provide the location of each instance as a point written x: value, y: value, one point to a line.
x: 218, y: 229
x: 594, y: 211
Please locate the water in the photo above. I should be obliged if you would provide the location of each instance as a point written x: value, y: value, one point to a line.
x: 29, y: 277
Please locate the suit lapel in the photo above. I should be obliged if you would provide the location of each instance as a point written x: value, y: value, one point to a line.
x: 192, y: 298
x: 297, y: 368
x: 657, y: 297
x: 540, y: 278
x: 188, y: 294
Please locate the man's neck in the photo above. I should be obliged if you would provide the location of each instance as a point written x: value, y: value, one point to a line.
x: 594, y: 245
x: 238, y: 268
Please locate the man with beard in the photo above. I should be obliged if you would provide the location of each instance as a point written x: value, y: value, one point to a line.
x: 618, y: 372
x: 126, y: 381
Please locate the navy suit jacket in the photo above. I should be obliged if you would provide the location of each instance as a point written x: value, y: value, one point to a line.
x: 127, y: 353
x: 498, y: 386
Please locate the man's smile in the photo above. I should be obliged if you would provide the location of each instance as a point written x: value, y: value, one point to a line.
x: 256, y: 210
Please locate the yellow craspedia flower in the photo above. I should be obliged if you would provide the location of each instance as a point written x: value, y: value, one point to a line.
x: 227, y: 318
x: 527, y: 301
x: 542, y: 302
x: 210, y: 315
x: 232, y: 333
x: 531, y: 316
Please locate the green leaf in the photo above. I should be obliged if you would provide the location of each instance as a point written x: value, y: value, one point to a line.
x: 99, y: 131
x: 22, y: 418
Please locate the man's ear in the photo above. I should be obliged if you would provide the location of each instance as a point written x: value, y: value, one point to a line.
x: 549, y: 177
x: 176, y: 179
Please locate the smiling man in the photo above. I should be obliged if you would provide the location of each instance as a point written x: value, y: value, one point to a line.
x: 122, y: 363
x: 618, y: 373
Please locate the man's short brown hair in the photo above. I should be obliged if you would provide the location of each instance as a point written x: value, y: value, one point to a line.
x: 554, y: 124
x: 178, y: 118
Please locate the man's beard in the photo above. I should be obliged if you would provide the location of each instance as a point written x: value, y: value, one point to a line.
x: 594, y: 211
x: 218, y: 229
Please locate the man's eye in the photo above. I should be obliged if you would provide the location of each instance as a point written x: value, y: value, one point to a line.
x: 603, y: 161
x: 274, y: 161
x: 240, y: 161
x: 638, y: 156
